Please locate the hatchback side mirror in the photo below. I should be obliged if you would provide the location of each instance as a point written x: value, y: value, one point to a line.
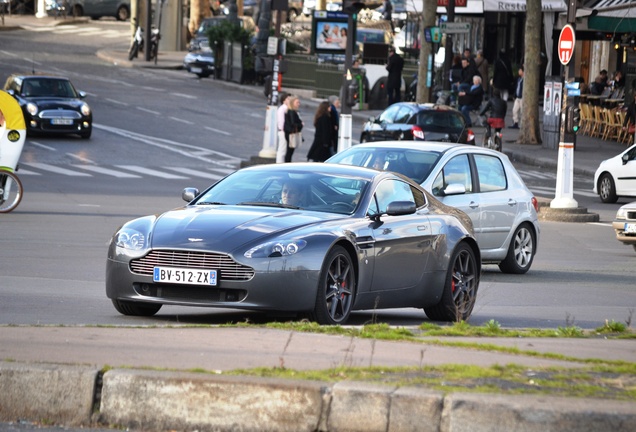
x: 189, y: 194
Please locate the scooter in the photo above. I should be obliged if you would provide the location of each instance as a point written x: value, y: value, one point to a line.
x: 138, y: 43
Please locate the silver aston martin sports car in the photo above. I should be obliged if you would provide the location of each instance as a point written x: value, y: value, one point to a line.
x: 316, y: 239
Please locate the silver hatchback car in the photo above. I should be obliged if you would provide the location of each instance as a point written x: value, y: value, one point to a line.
x: 481, y: 182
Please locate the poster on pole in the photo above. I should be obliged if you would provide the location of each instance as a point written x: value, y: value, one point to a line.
x: 547, y: 98
x: 556, y: 97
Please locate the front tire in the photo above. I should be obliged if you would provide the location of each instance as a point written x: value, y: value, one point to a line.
x: 520, y: 252
x: 136, y: 308
x: 134, y: 51
x: 11, y: 191
x: 460, y: 289
x: 336, y: 289
x: 607, y: 189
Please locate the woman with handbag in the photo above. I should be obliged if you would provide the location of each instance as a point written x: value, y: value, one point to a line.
x: 323, y: 146
x: 293, y: 127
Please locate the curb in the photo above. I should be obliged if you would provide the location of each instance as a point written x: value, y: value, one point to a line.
x: 150, y: 400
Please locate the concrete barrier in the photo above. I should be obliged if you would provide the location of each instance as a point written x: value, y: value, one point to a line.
x: 162, y: 401
x: 47, y: 393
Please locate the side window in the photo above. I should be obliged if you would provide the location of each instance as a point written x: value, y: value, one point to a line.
x: 389, y: 191
x: 403, y: 115
x: 457, y: 170
x: 492, y: 176
x: 389, y: 114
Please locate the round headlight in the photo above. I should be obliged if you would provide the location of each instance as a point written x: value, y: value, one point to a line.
x: 130, y: 239
x: 32, y: 108
x: 85, y: 109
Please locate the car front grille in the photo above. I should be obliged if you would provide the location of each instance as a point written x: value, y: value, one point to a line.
x: 51, y: 114
x: 229, y: 270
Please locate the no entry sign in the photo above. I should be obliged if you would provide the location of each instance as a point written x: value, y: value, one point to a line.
x: 566, y: 44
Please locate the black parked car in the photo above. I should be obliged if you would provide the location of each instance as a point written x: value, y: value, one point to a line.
x: 200, y: 62
x: 51, y: 105
x: 412, y: 121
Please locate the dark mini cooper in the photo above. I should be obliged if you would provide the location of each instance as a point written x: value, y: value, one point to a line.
x: 420, y: 122
x: 51, y: 105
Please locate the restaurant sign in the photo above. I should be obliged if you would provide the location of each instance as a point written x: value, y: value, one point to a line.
x: 520, y: 6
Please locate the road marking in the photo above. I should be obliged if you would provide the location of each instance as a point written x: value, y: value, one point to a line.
x: 37, y: 144
x: 106, y: 171
x: 116, y: 102
x: 148, y: 111
x: 551, y: 191
x: 188, y: 122
x: 150, y: 172
x: 22, y: 172
x: 186, y: 96
x: 194, y: 173
x: 217, y: 130
x: 56, y: 169
x: 80, y: 158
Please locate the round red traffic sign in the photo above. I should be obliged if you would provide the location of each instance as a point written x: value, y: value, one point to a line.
x: 566, y: 44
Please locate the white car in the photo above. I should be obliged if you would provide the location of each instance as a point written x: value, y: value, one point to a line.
x: 616, y: 177
x: 625, y: 224
x: 481, y: 182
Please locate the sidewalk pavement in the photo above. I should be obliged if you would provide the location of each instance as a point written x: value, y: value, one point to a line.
x: 145, y: 378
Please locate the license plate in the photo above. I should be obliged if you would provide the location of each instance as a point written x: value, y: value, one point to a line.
x: 196, y: 70
x: 630, y: 228
x: 184, y: 276
x: 62, y: 121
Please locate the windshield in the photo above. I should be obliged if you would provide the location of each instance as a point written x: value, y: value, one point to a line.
x: 415, y: 164
x: 48, y: 87
x: 296, y: 190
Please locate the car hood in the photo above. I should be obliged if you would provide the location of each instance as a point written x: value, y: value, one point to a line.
x: 48, y: 102
x: 227, y: 227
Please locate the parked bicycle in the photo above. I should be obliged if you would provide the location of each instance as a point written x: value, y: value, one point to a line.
x: 137, y: 45
x: 12, y: 136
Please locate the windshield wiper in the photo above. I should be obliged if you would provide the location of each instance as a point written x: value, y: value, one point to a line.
x: 269, y: 204
x: 210, y: 203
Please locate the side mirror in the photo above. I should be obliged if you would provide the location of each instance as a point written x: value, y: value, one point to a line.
x: 189, y: 194
x: 454, y: 189
x: 82, y: 94
x: 398, y: 208
x: 372, y: 119
x: 625, y: 158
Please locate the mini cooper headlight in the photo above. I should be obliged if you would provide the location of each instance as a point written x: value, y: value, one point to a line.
x: 132, y: 239
x: 85, y: 109
x: 276, y: 249
x: 32, y: 108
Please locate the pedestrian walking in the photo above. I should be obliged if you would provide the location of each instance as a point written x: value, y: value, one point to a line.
x: 281, y: 112
x: 293, y: 126
x: 518, y: 105
x: 394, y: 66
x: 502, y: 75
x: 484, y: 70
x: 323, y: 146
x: 334, y: 102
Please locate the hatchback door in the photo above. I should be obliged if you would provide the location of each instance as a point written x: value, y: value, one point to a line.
x: 500, y: 205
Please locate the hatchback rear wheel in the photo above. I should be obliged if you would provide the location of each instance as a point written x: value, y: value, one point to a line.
x: 607, y: 189
x: 520, y: 252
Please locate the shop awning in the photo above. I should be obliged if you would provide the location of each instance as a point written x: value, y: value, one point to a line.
x: 617, y: 16
x: 520, y: 5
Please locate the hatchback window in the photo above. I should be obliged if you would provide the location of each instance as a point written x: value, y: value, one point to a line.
x: 403, y: 115
x: 492, y: 176
x: 389, y: 191
x: 456, y: 171
x: 389, y: 114
x: 439, y: 121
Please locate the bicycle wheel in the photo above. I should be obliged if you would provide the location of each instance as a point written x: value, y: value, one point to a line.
x: 134, y: 50
x: 498, y: 146
x: 10, y: 191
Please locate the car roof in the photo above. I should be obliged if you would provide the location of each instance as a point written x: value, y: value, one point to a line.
x: 427, y: 106
x: 322, y: 168
x: 433, y: 146
x: 37, y: 76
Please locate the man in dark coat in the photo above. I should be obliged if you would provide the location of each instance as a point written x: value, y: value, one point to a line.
x: 469, y: 70
x: 394, y: 81
x: 502, y: 74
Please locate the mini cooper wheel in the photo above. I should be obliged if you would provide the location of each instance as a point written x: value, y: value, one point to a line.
x: 336, y: 289
x: 136, y: 308
x: 520, y: 252
x: 460, y: 289
x: 607, y: 189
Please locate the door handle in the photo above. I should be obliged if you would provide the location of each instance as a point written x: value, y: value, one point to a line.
x: 473, y: 205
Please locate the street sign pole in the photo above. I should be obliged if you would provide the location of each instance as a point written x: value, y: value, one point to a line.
x: 564, y: 192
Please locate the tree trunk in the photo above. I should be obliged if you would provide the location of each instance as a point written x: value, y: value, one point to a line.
x: 530, y: 132
x: 428, y: 20
x: 199, y: 9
